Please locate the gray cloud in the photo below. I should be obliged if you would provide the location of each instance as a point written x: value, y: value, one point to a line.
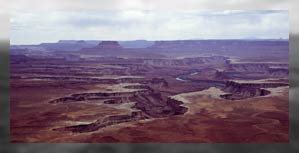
x: 48, y: 26
x: 89, y: 19
x: 70, y: 5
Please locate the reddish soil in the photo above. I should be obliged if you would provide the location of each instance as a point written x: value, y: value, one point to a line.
x: 76, y: 97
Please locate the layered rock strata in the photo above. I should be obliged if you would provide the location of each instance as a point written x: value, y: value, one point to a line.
x: 238, y: 91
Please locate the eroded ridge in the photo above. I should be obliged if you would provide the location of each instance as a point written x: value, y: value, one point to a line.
x: 148, y: 104
x: 238, y: 91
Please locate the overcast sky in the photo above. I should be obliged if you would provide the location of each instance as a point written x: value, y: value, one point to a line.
x: 49, y: 14
x: 50, y: 26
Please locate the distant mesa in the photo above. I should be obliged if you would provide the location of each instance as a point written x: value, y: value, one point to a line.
x: 105, y: 46
x: 176, y: 43
x: 109, y: 45
x: 121, y: 49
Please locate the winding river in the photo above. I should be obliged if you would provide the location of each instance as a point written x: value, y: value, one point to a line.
x: 212, y: 83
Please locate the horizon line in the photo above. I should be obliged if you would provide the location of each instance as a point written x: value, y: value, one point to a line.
x: 59, y: 41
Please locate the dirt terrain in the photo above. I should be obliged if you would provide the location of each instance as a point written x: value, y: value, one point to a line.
x: 159, y: 93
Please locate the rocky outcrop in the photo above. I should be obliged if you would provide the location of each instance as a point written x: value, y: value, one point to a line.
x: 155, y: 106
x: 243, y: 93
x: 149, y: 106
x: 258, y: 70
x: 239, y: 91
x: 211, y: 60
x: 107, y: 121
x: 233, y: 85
x: 97, y: 96
x: 250, y: 67
x: 176, y: 105
x: 270, y: 68
x: 148, y: 103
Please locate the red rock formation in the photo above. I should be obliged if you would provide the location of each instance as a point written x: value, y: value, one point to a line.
x: 107, y: 121
x: 247, y: 90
